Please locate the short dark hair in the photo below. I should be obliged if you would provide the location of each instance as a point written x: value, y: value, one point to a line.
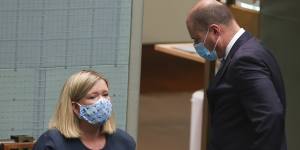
x: 211, y: 14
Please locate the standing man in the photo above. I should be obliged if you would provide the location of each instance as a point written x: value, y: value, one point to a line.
x: 246, y: 97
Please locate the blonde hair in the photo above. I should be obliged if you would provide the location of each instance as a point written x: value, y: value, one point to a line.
x: 74, y: 89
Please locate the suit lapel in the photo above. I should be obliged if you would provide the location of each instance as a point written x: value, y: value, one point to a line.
x: 241, y: 40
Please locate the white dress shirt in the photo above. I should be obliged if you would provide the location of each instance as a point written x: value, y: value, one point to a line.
x: 229, y: 46
x: 232, y: 41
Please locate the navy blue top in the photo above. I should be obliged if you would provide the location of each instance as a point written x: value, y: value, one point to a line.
x: 54, y: 140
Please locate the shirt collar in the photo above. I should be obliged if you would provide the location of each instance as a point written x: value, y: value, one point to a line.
x: 232, y: 41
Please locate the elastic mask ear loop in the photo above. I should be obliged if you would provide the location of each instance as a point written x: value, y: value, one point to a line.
x: 205, y: 36
x: 216, y: 43
x: 76, y: 103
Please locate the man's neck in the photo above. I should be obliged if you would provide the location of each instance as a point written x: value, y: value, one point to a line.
x: 232, y: 30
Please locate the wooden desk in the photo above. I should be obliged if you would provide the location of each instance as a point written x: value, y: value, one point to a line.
x: 175, y: 50
x: 18, y: 146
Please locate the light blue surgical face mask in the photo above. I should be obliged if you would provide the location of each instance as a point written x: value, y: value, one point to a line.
x: 204, y: 52
x: 97, y: 113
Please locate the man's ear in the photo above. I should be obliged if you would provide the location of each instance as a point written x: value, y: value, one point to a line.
x: 216, y: 29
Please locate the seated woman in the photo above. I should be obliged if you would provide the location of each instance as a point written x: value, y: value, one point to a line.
x: 83, y: 118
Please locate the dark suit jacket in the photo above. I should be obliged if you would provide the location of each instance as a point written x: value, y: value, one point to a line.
x: 247, y: 100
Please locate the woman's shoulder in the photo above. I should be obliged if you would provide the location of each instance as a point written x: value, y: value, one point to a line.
x: 53, y: 139
x: 47, y: 140
x: 52, y: 134
x: 121, y: 133
x: 120, y: 137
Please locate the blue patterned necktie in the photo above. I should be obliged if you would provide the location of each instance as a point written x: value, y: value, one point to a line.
x: 221, y: 65
x: 223, y: 61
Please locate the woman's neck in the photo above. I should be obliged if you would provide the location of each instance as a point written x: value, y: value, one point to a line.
x: 89, y: 130
x: 91, y: 136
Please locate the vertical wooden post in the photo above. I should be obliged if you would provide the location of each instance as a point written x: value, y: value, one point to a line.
x: 209, y: 72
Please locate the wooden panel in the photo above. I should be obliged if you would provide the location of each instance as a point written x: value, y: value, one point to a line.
x: 280, y: 22
x: 248, y: 19
x: 162, y: 72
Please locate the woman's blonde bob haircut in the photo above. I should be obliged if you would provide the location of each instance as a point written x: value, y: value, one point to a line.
x: 75, y: 88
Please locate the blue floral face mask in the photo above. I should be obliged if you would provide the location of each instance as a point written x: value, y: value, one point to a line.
x: 97, y: 113
x: 204, y: 52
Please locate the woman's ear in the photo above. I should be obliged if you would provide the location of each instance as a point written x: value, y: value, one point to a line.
x: 76, y: 108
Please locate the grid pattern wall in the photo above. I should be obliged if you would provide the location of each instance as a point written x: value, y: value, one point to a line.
x: 42, y: 42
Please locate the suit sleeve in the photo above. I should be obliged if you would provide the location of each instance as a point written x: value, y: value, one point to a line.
x: 261, y: 103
